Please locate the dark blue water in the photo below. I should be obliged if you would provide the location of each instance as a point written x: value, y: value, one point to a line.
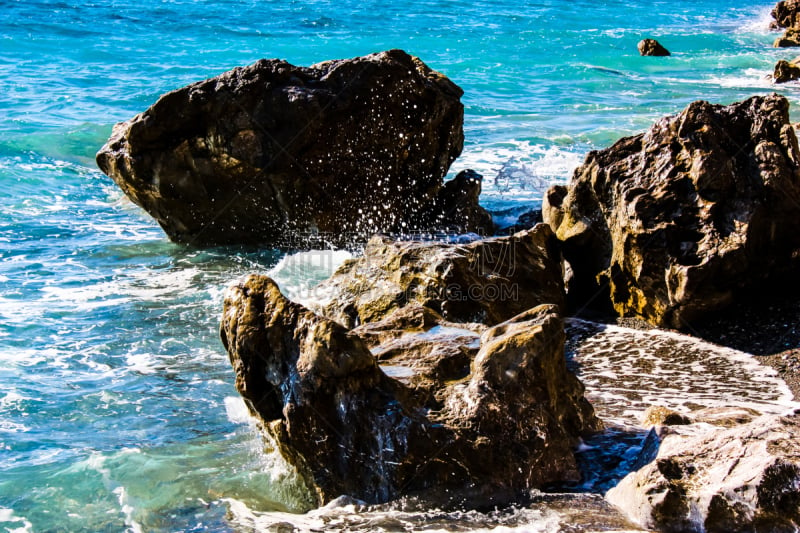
x: 117, y: 405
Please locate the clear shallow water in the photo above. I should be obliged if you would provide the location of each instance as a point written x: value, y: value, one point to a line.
x: 117, y: 405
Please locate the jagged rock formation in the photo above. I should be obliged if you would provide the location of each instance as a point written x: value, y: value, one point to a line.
x: 486, y: 281
x: 786, y: 71
x: 651, y: 47
x: 741, y: 478
x: 786, y: 14
x: 790, y: 38
x: 487, y: 418
x: 271, y: 152
x: 678, y: 221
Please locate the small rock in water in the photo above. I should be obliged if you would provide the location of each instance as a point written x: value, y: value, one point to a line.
x: 790, y: 38
x: 651, y: 47
x: 657, y: 415
x: 786, y: 71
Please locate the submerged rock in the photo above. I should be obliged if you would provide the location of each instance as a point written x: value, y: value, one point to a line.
x: 271, y: 152
x: 786, y: 13
x: 786, y: 71
x: 487, y: 418
x: 486, y: 281
x: 744, y: 478
x: 678, y: 221
x: 651, y: 47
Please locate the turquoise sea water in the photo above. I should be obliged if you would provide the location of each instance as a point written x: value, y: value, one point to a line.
x: 117, y: 405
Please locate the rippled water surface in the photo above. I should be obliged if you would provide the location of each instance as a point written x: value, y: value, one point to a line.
x: 117, y: 405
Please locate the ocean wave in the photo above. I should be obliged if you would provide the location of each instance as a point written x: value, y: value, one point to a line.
x: 758, y: 23
x: 519, y: 171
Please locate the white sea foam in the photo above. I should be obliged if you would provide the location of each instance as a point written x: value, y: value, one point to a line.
x: 519, y: 169
x: 237, y: 411
x: 560, y: 513
x: 350, y: 515
x: 626, y: 371
x: 760, y: 23
x: 12, y: 523
x: 298, y: 274
x: 127, y: 509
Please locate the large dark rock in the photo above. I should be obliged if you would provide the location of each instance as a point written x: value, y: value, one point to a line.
x: 651, y: 47
x: 737, y: 479
x: 484, y: 419
x: 270, y: 152
x: 786, y: 14
x: 680, y: 220
x: 485, y: 281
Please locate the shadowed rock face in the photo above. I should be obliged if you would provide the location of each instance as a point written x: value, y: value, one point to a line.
x: 488, y: 418
x: 744, y: 478
x: 677, y: 221
x: 486, y: 281
x: 271, y: 151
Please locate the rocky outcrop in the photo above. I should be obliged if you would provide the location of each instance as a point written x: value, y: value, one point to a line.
x: 786, y: 14
x: 486, y: 281
x: 271, y: 152
x: 786, y: 71
x: 651, y: 47
x: 484, y: 417
x: 790, y: 38
x: 678, y: 221
x: 743, y: 478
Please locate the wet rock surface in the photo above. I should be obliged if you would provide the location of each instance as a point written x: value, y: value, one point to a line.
x: 786, y: 71
x: 789, y: 39
x: 270, y: 152
x: 678, y: 222
x: 485, y: 281
x: 740, y: 478
x: 486, y: 417
x: 786, y: 14
x: 651, y: 47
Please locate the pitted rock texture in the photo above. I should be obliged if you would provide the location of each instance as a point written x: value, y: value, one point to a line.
x: 271, y: 152
x: 483, y: 418
x: 680, y: 221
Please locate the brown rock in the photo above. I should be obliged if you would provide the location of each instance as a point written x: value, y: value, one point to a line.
x: 456, y: 208
x: 651, y: 47
x: 658, y: 415
x: 786, y: 71
x: 271, y: 152
x: 483, y: 424
x: 681, y: 220
x: 790, y: 38
x: 785, y: 14
x: 486, y: 281
x: 745, y: 478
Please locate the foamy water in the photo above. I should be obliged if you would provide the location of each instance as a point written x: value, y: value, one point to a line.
x: 627, y: 370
